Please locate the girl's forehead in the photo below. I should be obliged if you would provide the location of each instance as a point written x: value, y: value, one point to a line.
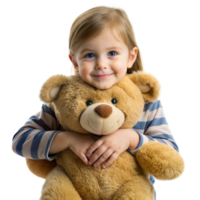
x: 108, y: 34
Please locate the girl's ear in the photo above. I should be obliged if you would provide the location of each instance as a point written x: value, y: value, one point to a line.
x: 50, y: 89
x: 73, y: 62
x: 148, y: 85
x: 132, y: 57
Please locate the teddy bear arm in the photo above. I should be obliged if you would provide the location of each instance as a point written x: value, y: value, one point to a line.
x: 160, y: 160
x: 59, y: 186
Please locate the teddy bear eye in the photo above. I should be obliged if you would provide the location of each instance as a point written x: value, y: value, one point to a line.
x: 88, y: 102
x: 114, y: 101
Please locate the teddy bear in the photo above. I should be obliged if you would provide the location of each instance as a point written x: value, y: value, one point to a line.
x: 81, y: 108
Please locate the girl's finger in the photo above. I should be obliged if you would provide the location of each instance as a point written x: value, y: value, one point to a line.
x: 112, y: 158
x: 93, y: 147
x: 97, y: 155
x: 104, y: 157
x: 83, y: 158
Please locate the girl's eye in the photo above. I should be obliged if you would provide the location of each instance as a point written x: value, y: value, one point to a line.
x: 88, y: 103
x: 114, y: 101
x: 89, y: 55
x: 112, y: 53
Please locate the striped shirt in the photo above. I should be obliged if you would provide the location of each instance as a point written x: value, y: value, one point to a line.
x: 34, y: 139
x: 152, y: 126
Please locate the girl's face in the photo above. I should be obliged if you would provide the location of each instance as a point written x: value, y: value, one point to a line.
x: 103, y: 60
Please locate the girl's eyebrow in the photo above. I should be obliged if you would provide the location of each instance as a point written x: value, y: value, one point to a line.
x: 110, y: 48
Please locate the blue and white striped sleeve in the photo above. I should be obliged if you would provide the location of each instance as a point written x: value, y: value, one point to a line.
x: 152, y: 126
x: 34, y: 139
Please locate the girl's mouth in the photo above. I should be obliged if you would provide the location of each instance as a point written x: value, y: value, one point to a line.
x: 102, y: 76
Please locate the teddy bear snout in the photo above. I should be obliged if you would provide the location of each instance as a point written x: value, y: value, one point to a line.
x: 103, y: 111
x: 102, y: 118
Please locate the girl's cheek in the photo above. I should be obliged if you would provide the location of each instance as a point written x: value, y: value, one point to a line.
x: 117, y: 64
x: 86, y: 69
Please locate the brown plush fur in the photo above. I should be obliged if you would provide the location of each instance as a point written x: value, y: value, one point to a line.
x: 125, y: 178
x: 40, y: 167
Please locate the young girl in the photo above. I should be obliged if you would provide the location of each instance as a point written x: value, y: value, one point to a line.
x: 102, y: 50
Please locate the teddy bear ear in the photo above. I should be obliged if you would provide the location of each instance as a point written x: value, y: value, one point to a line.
x: 50, y: 89
x: 148, y: 85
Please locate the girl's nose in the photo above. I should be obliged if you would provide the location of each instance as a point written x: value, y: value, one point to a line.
x: 101, y: 64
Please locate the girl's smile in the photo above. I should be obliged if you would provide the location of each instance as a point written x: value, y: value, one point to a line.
x: 103, y: 76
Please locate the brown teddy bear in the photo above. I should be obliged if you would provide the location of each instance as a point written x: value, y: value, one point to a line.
x: 82, y: 108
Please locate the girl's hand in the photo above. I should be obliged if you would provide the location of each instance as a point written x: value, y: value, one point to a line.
x: 109, y: 147
x: 79, y: 143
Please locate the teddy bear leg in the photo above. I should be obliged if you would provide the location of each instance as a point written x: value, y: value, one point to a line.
x: 138, y: 189
x: 59, y: 187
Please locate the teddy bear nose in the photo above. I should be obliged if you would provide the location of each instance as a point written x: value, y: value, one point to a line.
x: 103, y: 111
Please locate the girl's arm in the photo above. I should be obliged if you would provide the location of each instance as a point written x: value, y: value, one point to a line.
x: 152, y: 126
x: 34, y: 139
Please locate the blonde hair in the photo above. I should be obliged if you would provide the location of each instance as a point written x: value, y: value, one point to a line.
x: 90, y: 23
